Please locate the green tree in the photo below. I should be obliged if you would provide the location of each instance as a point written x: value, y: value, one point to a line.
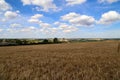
x: 55, y: 40
x: 45, y: 41
x: 18, y: 41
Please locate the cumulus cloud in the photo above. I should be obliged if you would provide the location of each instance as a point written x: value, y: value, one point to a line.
x: 109, y: 17
x: 67, y: 28
x: 46, y: 30
x: 54, y: 30
x: 11, y: 15
x: 62, y: 27
x: 34, y: 21
x: 107, y: 1
x: 4, y: 5
x: 70, y: 16
x: 35, y: 18
x: 28, y: 29
x: 26, y: 2
x: 78, y: 20
x: 56, y: 23
x: 45, y: 5
x: 22, y: 29
x: 74, y: 2
x: 44, y: 25
x: 14, y: 25
x: 1, y: 30
x: 50, y: 28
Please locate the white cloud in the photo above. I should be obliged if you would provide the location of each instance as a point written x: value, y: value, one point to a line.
x: 28, y: 29
x: 22, y: 29
x: 78, y: 20
x: 56, y: 23
x: 18, y: 11
x: 26, y: 2
x: 3, y: 20
x: 109, y: 17
x: 62, y: 27
x: 54, y: 30
x: 34, y: 21
x: 108, y: 1
x: 4, y: 6
x: 54, y: 9
x: 1, y: 30
x: 44, y: 25
x: 50, y: 28
x: 74, y: 2
x: 10, y: 14
x: 12, y: 30
x: 70, y: 16
x: 35, y: 18
x: 67, y: 28
x: 45, y: 5
x: 14, y: 25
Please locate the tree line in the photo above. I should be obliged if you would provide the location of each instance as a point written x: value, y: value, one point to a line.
x: 8, y: 42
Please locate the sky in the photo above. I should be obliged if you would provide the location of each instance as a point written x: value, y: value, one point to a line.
x: 60, y: 18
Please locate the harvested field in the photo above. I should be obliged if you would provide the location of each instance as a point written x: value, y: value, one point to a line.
x: 70, y: 61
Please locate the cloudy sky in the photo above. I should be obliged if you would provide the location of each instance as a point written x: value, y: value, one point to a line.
x: 60, y: 18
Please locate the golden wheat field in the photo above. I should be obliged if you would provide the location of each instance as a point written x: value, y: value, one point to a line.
x: 67, y: 61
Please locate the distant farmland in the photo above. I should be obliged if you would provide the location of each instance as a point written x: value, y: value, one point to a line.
x: 67, y: 61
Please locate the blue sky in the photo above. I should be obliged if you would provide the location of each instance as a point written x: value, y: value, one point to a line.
x: 60, y: 18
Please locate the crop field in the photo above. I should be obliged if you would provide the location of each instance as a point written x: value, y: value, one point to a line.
x: 67, y: 61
